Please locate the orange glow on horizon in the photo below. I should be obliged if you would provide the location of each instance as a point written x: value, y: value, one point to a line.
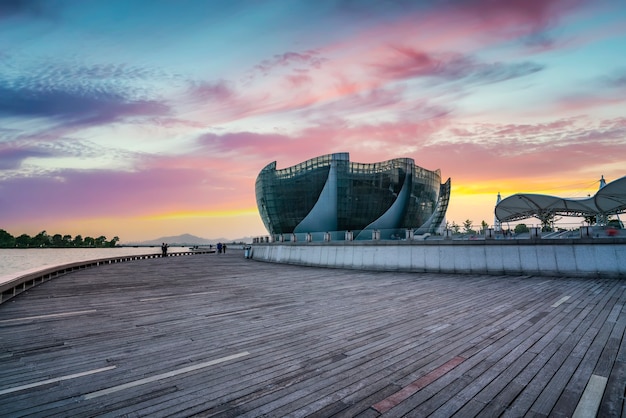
x: 188, y: 214
x: 473, y: 200
x: 537, y: 186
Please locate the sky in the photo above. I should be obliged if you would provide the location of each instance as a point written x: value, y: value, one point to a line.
x: 149, y: 118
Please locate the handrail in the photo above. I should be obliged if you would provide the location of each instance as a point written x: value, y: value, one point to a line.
x: 410, y: 234
x: 12, y: 285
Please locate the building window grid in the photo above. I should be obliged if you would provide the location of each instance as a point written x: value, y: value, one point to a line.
x: 387, y: 176
x: 302, y: 168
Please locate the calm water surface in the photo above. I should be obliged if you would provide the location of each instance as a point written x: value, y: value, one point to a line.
x: 13, y: 261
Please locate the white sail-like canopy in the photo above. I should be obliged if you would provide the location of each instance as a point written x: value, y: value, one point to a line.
x: 609, y: 200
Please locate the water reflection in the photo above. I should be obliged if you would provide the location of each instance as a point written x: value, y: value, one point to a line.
x: 13, y: 261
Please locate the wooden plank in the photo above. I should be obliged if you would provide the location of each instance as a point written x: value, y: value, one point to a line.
x: 393, y: 400
x: 591, y: 397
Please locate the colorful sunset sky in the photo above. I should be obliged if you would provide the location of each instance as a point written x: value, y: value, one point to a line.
x: 150, y: 118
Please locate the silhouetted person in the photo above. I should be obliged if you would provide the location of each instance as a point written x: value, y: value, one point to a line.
x: 219, y: 248
x: 164, y: 250
x: 224, y: 248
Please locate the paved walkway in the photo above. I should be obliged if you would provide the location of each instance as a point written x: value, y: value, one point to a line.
x: 219, y: 335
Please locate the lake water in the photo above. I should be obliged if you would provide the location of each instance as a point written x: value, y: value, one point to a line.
x: 13, y: 260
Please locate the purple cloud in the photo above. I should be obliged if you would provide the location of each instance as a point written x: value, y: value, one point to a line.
x: 413, y: 63
x: 536, y: 14
x: 11, y: 159
x: 309, y: 59
x: 206, y: 91
x: 498, y: 71
x: 74, y: 107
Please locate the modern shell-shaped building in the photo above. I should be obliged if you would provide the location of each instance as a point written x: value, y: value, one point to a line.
x: 609, y: 200
x: 330, y: 193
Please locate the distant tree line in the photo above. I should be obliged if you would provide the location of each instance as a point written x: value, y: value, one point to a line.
x: 43, y: 240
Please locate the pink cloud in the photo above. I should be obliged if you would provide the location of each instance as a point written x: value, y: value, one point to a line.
x: 533, y: 13
x: 584, y: 102
x: 218, y: 91
x: 308, y: 59
x: 516, y: 152
x: 411, y: 63
x: 299, y: 80
x: 457, y: 29
x: 532, y: 130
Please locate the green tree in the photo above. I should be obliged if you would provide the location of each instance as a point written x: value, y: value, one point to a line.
x: 42, y: 239
x: 57, y: 240
x: 467, y: 227
x: 67, y: 240
x: 590, y: 219
x: 6, y: 240
x: 547, y: 221
x: 455, y: 227
x: 78, y: 241
x: 484, y: 225
x: 23, y: 241
x: 521, y: 228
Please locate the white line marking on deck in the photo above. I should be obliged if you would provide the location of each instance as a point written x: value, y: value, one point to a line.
x: 139, y: 382
x: 175, y: 296
x: 56, y: 379
x: 590, y: 401
x: 232, y: 313
x: 558, y: 302
x: 56, y: 315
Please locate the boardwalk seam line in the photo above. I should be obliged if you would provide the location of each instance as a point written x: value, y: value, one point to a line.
x: 182, y: 295
x: 231, y: 313
x: 54, y: 380
x: 154, y: 378
x: 57, y: 315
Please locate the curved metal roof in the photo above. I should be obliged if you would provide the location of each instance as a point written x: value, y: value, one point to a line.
x: 609, y: 200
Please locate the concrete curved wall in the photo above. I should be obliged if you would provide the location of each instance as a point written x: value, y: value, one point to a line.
x: 545, y: 257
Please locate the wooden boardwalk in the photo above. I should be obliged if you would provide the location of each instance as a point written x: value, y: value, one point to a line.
x: 221, y: 336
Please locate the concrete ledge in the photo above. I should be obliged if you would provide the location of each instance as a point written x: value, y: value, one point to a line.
x: 573, y: 258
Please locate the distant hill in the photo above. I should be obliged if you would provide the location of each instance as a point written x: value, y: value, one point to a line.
x: 187, y: 239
